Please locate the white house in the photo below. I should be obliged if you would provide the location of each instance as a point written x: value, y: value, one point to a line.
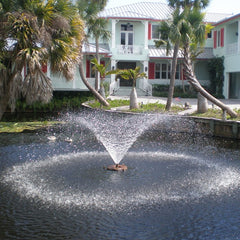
x: 133, y: 30
x: 226, y: 43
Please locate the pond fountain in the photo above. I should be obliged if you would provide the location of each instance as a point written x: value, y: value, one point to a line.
x: 179, y: 184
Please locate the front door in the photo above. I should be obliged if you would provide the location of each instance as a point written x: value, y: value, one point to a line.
x: 126, y: 65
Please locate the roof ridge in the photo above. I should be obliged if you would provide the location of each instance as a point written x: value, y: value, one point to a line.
x: 135, y: 3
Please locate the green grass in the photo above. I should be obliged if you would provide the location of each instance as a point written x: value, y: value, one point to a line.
x: 160, y: 108
x: 217, y: 113
x: 112, y: 104
x: 16, y: 127
x: 144, y: 108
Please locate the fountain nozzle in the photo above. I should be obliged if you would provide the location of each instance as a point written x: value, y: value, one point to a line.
x: 117, y: 167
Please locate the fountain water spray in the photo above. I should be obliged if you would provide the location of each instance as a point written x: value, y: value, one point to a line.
x: 117, y: 132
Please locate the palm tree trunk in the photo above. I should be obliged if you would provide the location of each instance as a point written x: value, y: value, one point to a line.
x: 3, y: 105
x: 7, y: 81
x: 133, y: 99
x: 172, y: 79
x: 98, y: 60
x: 195, y: 83
x: 94, y: 92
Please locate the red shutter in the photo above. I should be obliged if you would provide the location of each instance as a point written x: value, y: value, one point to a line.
x: 151, y: 70
x: 44, y: 68
x: 215, y: 39
x: 149, y: 31
x: 88, y: 68
x: 222, y: 37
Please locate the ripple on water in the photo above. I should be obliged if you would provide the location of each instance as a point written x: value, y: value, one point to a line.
x: 79, y: 180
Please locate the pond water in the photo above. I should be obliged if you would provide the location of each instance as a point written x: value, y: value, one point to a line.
x: 177, y: 186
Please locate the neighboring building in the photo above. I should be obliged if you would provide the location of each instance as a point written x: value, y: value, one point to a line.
x: 133, y: 29
x: 226, y: 43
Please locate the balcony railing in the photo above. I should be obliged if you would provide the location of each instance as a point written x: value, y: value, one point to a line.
x: 132, y: 49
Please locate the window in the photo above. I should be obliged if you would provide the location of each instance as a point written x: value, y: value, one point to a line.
x: 92, y: 72
x: 218, y: 38
x: 157, y: 70
x: 127, y: 27
x: 155, y: 32
x: 163, y: 71
x: 209, y: 35
x: 177, y: 76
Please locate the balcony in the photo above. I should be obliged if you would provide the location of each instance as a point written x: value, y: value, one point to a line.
x: 130, y: 50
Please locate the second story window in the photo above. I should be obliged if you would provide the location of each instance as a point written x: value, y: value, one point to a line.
x: 155, y: 32
x: 218, y: 38
x: 127, y: 38
x: 209, y: 35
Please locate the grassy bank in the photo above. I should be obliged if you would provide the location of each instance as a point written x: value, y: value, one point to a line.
x: 17, y: 127
x: 217, y: 113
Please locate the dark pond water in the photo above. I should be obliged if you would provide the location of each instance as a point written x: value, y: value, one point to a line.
x: 177, y: 186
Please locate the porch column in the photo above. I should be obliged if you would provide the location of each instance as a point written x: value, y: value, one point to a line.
x: 113, y: 33
x: 145, y: 67
x: 146, y: 34
x: 226, y: 85
x: 113, y: 67
x: 239, y: 36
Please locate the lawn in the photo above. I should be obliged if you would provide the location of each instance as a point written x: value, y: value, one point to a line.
x: 144, y: 108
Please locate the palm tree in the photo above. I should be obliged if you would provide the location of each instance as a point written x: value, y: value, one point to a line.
x: 88, y: 10
x: 193, y: 35
x: 171, y: 35
x: 195, y: 31
x: 132, y: 74
x: 34, y: 33
x: 97, y: 28
x: 103, y: 73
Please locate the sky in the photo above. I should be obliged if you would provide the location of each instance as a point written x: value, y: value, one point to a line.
x: 216, y: 6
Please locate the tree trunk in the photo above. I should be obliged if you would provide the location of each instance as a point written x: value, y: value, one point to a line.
x: 102, y: 90
x: 5, y: 97
x: 133, y: 99
x: 3, y: 105
x: 202, y: 104
x: 98, y: 60
x: 172, y: 79
x: 194, y: 82
x: 94, y: 92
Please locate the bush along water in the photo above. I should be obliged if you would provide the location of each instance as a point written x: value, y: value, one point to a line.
x: 61, y: 101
